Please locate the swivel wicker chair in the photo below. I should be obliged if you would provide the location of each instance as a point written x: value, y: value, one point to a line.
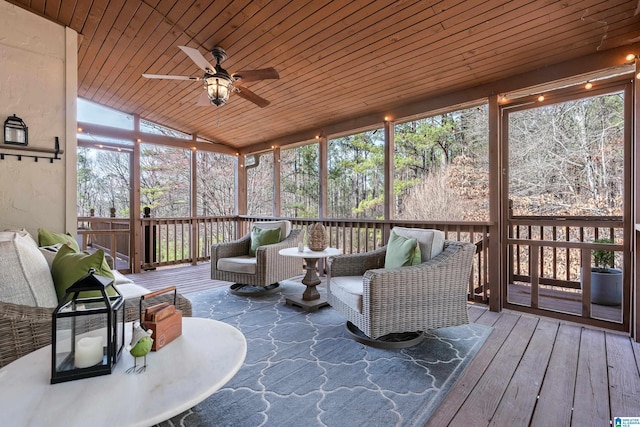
x: 259, y: 273
x: 391, y: 308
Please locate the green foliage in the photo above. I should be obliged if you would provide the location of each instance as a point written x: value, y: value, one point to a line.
x: 355, y: 176
x: 299, y: 183
x: 602, y: 258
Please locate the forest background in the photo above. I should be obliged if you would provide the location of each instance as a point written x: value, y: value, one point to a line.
x: 564, y: 159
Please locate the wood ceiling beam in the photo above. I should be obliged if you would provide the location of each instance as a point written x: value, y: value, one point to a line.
x: 132, y: 135
x: 564, y: 70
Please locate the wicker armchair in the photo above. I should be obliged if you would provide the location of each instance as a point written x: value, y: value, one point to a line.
x: 416, y: 298
x: 262, y: 272
x: 24, y: 329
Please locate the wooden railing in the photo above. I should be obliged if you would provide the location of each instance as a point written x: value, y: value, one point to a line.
x: 543, y: 253
x: 356, y: 236
x: 551, y: 254
x: 109, y: 234
x: 169, y: 241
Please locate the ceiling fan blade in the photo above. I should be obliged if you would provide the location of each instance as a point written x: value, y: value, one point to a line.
x: 252, y: 75
x: 250, y: 96
x: 197, y: 58
x: 203, y: 100
x: 169, y: 77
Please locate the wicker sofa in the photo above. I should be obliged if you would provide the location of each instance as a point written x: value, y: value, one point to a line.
x: 420, y: 297
x: 26, y: 327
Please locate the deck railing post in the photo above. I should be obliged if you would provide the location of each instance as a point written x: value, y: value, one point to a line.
x: 149, y: 239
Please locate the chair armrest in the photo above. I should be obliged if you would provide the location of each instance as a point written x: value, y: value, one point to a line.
x: 23, y: 329
x: 230, y: 249
x: 271, y: 251
x: 442, y: 276
x: 356, y: 264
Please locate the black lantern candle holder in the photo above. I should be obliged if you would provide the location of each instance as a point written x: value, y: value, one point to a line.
x: 87, y: 332
x: 15, y: 131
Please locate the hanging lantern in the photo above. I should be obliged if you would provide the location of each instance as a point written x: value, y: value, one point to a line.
x: 15, y: 131
x: 88, y: 331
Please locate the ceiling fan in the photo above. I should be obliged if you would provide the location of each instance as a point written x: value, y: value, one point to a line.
x: 218, y: 83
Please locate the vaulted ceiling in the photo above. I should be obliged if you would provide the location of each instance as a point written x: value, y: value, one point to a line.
x: 337, y: 60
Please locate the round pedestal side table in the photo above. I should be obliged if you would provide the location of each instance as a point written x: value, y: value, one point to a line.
x: 311, y: 299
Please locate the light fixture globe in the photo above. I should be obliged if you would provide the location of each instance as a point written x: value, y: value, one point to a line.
x: 218, y: 88
x: 219, y: 84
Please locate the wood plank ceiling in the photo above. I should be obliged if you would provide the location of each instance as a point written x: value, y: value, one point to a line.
x: 337, y: 60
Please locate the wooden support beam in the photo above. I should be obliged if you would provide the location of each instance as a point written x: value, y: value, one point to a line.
x: 193, y: 238
x: 277, y: 200
x: 635, y: 155
x: 458, y: 99
x: 323, y: 160
x: 149, y: 138
x: 134, y: 203
x: 497, y: 215
x: 389, y: 148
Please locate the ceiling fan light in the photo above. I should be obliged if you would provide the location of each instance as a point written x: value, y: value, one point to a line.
x: 218, y: 89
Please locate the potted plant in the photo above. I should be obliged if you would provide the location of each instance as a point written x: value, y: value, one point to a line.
x: 606, y: 281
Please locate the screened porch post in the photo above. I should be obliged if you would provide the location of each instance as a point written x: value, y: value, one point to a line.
x: 277, y: 204
x: 497, y: 273
x: 194, y: 238
x: 635, y: 282
x: 134, y: 210
x: 389, y: 148
x: 241, y: 189
x: 323, y: 163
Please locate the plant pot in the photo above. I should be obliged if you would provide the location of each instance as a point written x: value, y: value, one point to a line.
x: 606, y: 287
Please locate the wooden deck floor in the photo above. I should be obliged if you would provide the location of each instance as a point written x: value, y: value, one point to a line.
x: 531, y: 370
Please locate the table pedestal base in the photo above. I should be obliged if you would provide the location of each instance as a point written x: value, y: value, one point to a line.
x: 311, y: 299
x: 308, y: 305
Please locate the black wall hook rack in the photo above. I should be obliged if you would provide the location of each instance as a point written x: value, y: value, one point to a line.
x: 48, y: 154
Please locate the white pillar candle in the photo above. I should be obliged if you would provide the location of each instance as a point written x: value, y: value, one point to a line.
x: 89, y: 352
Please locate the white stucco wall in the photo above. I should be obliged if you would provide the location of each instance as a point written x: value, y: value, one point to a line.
x: 38, y: 83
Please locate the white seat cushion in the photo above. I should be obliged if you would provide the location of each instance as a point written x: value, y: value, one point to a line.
x: 348, y: 289
x: 284, y: 225
x: 240, y: 264
x: 131, y: 290
x: 120, y: 279
x: 24, y: 273
x: 431, y: 241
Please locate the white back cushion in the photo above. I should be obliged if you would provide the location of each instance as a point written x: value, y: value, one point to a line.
x: 431, y: 241
x: 24, y: 273
x: 284, y: 225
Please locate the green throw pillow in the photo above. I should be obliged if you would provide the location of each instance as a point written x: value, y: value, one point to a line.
x: 69, y: 266
x: 263, y: 236
x: 49, y: 238
x: 400, y: 251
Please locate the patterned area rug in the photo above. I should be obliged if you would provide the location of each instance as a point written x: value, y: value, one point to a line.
x: 302, y: 369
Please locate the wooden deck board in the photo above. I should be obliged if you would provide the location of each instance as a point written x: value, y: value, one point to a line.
x: 519, y: 399
x: 591, y: 400
x: 530, y: 368
x: 556, y: 395
x: 466, y: 384
x: 624, y: 382
x: 483, y: 401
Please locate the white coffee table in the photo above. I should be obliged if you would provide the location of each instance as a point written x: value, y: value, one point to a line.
x: 311, y: 299
x: 179, y: 376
